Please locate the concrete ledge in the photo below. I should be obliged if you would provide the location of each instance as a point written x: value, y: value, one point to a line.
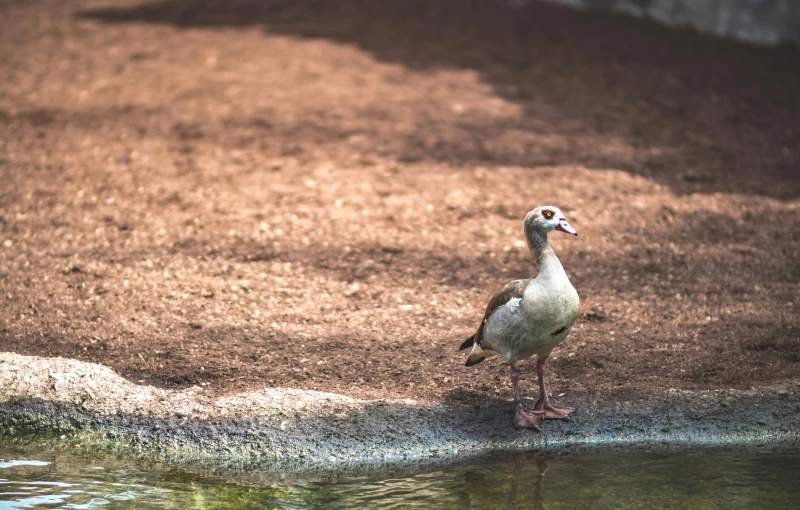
x: 62, y: 396
x: 757, y: 21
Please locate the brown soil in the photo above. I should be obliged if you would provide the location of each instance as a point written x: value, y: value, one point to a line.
x: 324, y: 195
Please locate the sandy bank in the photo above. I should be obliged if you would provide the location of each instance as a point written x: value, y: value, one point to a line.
x: 62, y: 396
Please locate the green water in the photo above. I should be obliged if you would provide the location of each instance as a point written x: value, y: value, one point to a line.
x: 698, y: 479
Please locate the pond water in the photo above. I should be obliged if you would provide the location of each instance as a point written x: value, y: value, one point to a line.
x: 691, y: 479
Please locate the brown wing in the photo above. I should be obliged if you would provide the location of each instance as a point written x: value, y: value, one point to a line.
x: 512, y: 290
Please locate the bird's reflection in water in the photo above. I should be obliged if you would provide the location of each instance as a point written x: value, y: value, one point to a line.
x: 527, y: 485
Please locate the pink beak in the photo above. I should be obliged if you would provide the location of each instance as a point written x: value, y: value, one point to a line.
x: 566, y: 227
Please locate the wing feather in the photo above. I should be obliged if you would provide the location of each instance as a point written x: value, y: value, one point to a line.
x: 513, y: 290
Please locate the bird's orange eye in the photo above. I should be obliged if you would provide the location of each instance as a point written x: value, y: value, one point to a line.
x: 548, y: 214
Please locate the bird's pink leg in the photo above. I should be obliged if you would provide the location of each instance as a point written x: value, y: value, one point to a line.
x: 524, y: 418
x: 550, y: 411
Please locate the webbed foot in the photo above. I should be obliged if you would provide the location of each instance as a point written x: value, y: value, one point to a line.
x: 528, y: 419
x: 552, y: 412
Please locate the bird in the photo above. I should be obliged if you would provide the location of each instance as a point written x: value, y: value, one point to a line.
x: 530, y: 317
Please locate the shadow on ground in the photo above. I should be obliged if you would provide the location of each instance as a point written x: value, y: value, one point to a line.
x: 703, y: 259
x: 692, y: 112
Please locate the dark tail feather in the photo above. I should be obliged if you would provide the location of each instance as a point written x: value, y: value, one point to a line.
x: 473, y: 359
x: 471, y: 362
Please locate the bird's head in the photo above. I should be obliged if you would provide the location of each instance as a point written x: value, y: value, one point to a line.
x: 547, y: 218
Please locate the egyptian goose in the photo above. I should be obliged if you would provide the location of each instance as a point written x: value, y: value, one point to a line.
x: 528, y: 317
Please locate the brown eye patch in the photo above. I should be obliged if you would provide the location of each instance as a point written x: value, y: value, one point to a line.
x: 548, y: 213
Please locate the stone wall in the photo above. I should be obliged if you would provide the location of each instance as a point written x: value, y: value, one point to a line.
x: 758, y: 21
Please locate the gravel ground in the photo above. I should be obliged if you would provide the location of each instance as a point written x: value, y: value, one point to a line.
x: 250, y: 196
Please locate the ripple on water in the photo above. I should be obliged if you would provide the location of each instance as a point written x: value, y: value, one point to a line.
x: 697, y: 479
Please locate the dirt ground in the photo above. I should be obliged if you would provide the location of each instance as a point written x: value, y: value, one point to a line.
x: 324, y: 195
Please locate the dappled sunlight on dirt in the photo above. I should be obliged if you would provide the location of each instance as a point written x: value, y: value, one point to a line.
x: 286, y: 205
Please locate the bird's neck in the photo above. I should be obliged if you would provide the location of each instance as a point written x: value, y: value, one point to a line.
x: 537, y: 242
x: 540, y: 248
